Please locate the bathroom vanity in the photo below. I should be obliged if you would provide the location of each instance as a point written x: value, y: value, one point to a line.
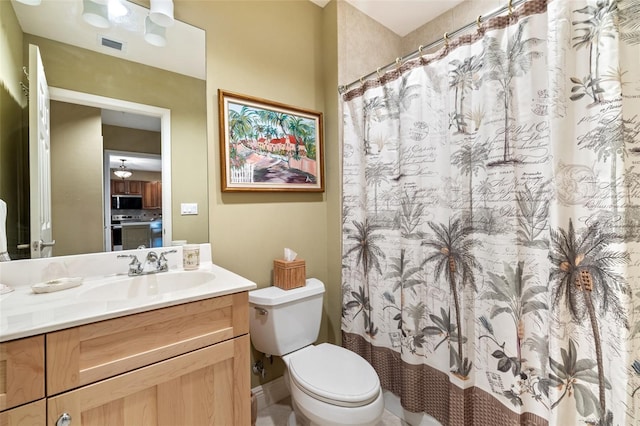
x: 162, y: 357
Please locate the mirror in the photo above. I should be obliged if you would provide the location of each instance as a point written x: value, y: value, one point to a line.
x: 80, y: 58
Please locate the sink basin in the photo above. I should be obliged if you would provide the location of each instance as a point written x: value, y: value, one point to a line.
x: 146, y: 286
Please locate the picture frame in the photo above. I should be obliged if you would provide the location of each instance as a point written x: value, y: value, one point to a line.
x: 269, y: 146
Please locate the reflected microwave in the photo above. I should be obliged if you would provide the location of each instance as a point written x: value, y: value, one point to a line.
x: 126, y: 202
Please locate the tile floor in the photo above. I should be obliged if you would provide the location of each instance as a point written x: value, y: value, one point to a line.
x: 277, y: 415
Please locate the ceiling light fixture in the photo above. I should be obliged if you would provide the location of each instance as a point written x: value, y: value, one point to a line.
x: 96, y: 13
x: 154, y: 34
x: 117, y: 9
x: 161, y: 12
x: 122, y: 171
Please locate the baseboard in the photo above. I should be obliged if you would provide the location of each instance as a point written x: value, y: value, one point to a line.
x: 270, y: 392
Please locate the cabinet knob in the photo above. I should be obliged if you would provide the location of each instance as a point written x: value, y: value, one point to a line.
x: 64, y: 420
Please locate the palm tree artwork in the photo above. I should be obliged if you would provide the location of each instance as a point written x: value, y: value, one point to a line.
x: 572, y: 376
x: 597, y: 23
x: 368, y: 254
x: 629, y: 10
x: 583, y: 273
x: 464, y: 77
x: 368, y: 109
x: 240, y: 125
x: 609, y: 140
x: 470, y: 159
x: 375, y: 174
x: 254, y: 132
x: 533, y: 205
x: 452, y: 256
x: 514, y: 297
x: 502, y: 67
x: 399, y: 101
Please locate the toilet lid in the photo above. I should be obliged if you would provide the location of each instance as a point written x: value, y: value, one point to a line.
x: 335, y: 375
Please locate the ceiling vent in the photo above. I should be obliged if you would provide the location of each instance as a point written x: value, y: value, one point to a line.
x: 112, y: 44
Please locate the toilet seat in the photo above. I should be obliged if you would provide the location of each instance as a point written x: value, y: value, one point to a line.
x: 334, y: 375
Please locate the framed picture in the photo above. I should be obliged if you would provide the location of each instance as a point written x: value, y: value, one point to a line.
x: 269, y: 146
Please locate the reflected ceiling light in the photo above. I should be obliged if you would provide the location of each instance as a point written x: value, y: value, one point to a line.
x: 154, y: 34
x: 122, y: 171
x: 117, y: 9
x: 96, y: 13
x: 161, y: 12
x: 30, y: 2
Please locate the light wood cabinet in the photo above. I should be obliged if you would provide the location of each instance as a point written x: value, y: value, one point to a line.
x: 31, y: 414
x: 180, y: 365
x: 152, y: 195
x: 205, y: 387
x: 21, y: 371
x: 126, y: 187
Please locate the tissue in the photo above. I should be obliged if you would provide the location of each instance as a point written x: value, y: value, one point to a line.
x: 289, y: 255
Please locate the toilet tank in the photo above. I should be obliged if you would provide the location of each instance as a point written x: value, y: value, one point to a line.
x: 282, y: 321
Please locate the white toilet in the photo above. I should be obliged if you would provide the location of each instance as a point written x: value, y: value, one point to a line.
x: 329, y: 385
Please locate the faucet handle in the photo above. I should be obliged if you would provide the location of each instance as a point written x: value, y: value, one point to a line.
x: 167, y: 252
x: 162, y: 261
x: 134, y: 266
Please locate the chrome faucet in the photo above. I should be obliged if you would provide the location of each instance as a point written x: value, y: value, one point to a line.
x: 152, y: 265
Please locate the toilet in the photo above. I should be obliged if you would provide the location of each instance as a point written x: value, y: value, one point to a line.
x: 329, y: 385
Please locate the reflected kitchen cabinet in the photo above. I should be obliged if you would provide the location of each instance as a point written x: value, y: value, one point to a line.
x: 152, y: 195
x: 123, y: 186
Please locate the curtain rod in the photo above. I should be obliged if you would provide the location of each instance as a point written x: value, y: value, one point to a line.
x: 418, y: 52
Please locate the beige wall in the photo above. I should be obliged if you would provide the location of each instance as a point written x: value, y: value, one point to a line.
x: 272, y: 50
x: 13, y: 149
x: 76, y: 179
x: 364, y: 44
x: 449, y: 21
x: 131, y: 140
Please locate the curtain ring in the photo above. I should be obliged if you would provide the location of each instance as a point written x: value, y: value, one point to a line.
x: 420, y: 50
x: 398, y: 62
x: 479, y: 22
x: 378, y: 72
x: 446, y: 39
x: 362, y: 80
x: 510, y: 7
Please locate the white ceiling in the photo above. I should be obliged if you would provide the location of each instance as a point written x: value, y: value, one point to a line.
x: 400, y: 16
x: 136, y: 163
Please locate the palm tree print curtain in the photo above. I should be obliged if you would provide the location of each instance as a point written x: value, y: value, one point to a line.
x: 491, y: 221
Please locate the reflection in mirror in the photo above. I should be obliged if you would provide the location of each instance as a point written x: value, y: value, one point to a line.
x: 132, y: 74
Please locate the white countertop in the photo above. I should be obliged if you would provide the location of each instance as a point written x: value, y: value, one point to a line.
x: 24, y: 313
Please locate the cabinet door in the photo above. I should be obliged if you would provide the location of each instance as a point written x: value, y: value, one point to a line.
x: 26, y: 415
x: 122, y: 186
x: 118, y: 186
x: 151, y: 195
x: 209, y: 386
x: 135, y: 187
x: 92, y: 352
x: 21, y: 371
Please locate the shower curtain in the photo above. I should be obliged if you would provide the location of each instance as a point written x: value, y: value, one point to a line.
x: 491, y: 221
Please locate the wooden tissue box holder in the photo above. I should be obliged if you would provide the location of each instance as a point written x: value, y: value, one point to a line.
x: 289, y: 274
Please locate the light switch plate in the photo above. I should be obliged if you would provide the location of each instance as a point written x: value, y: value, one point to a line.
x: 188, y: 208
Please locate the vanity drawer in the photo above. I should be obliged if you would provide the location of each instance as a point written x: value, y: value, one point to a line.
x: 92, y: 352
x: 21, y: 371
